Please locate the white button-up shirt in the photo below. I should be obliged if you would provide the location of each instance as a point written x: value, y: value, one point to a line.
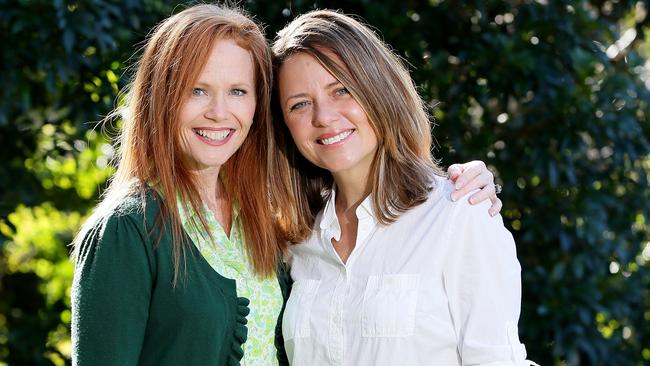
x: 440, y: 286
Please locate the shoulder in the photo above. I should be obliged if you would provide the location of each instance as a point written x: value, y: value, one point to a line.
x: 441, y: 188
x: 439, y: 199
x: 140, y: 208
x: 469, y: 226
x: 134, y: 210
x: 137, y: 206
x: 444, y: 215
x: 460, y: 209
x: 119, y: 223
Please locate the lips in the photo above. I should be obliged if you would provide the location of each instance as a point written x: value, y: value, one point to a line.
x: 333, y: 139
x: 214, y: 137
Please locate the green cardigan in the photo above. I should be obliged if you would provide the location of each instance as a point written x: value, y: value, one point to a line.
x: 126, y: 311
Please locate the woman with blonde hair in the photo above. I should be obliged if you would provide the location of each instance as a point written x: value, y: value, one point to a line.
x: 394, y: 272
x: 185, y: 235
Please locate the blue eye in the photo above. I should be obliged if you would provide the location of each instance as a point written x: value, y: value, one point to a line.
x: 342, y: 91
x: 298, y: 105
x: 197, y: 92
x: 238, y: 92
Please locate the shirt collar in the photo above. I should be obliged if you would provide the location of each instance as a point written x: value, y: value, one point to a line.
x: 185, y: 211
x: 329, y: 219
x: 329, y: 212
x: 189, y: 217
x: 366, y: 209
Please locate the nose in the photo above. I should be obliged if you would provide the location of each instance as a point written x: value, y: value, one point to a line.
x: 325, y: 114
x: 217, y: 110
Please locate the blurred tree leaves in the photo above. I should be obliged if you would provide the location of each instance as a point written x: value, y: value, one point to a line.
x: 64, y: 62
x: 552, y: 95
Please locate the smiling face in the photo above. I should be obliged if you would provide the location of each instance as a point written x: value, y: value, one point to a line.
x: 219, y: 109
x: 327, y: 124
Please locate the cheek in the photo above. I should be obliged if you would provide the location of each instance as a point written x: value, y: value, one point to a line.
x: 359, y: 116
x: 357, y: 113
x: 300, y: 136
x: 247, y: 114
x: 292, y: 125
x: 193, y: 111
x: 187, y: 112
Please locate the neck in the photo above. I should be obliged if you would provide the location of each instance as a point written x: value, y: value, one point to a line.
x: 214, y: 196
x: 209, y: 185
x: 351, y: 189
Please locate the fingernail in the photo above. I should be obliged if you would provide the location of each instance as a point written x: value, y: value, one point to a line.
x: 453, y: 197
x: 458, y: 186
x: 471, y: 200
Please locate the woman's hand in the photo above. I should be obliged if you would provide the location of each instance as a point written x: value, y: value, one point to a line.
x: 471, y: 176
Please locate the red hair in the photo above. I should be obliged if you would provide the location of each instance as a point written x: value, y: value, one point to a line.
x: 151, y: 143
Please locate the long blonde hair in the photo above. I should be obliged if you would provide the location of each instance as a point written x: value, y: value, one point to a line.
x: 150, y: 144
x: 403, y: 168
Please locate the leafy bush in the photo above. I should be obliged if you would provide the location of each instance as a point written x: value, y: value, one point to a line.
x: 552, y: 95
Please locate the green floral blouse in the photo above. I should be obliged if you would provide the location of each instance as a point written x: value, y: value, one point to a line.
x: 228, y: 257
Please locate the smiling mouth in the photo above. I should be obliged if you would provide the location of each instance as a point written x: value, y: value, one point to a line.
x: 215, y: 136
x: 336, y: 138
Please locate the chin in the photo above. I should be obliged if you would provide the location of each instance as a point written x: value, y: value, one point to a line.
x: 338, y: 168
x: 210, y: 163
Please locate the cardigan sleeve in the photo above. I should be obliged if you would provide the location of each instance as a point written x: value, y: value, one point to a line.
x: 483, y: 285
x: 113, y: 278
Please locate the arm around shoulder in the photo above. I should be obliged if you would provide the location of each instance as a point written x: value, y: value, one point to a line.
x: 111, y: 293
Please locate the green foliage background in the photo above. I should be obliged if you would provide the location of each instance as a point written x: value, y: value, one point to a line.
x: 553, y: 95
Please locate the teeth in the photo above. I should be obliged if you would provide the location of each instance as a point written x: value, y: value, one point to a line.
x: 214, y: 135
x: 335, y: 139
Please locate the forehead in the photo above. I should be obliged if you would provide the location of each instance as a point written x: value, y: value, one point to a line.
x: 303, y: 67
x: 228, y: 58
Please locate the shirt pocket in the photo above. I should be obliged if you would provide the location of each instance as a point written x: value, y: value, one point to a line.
x: 389, y: 304
x: 297, y: 314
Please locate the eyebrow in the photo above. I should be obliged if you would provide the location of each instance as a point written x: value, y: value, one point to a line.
x: 236, y: 85
x: 300, y: 95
